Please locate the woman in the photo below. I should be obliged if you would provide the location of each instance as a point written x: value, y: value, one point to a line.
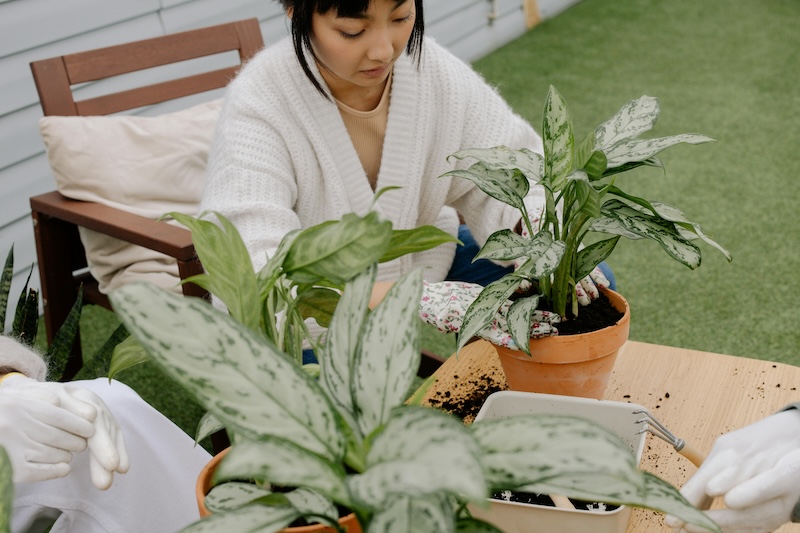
x: 357, y: 100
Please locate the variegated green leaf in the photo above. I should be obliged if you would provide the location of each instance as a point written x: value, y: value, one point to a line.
x: 336, y: 373
x: 233, y: 495
x: 644, y: 149
x: 504, y: 158
x: 596, y: 165
x: 6, y: 278
x: 567, y: 452
x: 127, y: 354
x: 407, y: 241
x: 207, y: 426
x: 484, y: 308
x: 612, y: 226
x: 544, y: 256
x: 504, y: 245
x: 318, y: 303
x: 558, y: 140
x: 507, y: 186
x: 519, y: 321
x: 404, y: 515
x: 229, y: 272
x: 387, y: 361
x: 250, y: 386
x: 420, y: 451
x: 281, y: 462
x: 673, y: 214
x: 633, y: 119
x: 661, y: 496
x: 313, y: 504
x: 339, y: 250
x: 6, y: 491
x: 593, y: 255
x: 588, y: 199
x: 273, y: 269
x: 473, y: 525
x: 655, y: 228
x: 253, y: 518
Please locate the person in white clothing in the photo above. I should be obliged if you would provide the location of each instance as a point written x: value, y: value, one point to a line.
x: 70, y: 444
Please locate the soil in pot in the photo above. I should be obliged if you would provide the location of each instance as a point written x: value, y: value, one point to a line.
x: 544, y: 499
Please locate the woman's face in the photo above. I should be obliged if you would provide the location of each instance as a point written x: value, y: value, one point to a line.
x: 357, y: 53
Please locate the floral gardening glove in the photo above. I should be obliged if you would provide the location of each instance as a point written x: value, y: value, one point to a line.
x: 444, y: 304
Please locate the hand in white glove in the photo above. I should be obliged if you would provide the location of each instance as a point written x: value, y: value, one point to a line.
x: 444, y: 304
x: 757, y: 470
x: 43, y: 424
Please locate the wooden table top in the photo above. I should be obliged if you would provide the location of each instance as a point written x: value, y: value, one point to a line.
x: 696, y: 395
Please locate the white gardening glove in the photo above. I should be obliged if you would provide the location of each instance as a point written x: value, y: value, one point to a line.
x: 444, y: 304
x: 587, y: 290
x: 54, y: 420
x: 757, y: 471
x: 106, y: 446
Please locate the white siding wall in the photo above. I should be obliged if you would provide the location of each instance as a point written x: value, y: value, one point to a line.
x: 38, y: 29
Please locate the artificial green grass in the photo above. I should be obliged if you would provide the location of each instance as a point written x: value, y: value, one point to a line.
x: 725, y: 69
x: 730, y: 70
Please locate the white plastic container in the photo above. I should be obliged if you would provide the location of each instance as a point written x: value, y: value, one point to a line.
x: 515, y: 517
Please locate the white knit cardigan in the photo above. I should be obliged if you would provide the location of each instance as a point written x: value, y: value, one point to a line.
x: 18, y: 358
x: 282, y: 159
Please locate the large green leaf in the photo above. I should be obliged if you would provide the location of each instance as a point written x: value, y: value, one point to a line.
x: 675, y: 215
x: 519, y: 321
x: 283, y: 463
x: 420, y: 452
x: 6, y: 278
x: 544, y: 255
x: 339, y: 250
x: 6, y: 491
x: 644, y: 149
x: 344, y: 335
x: 529, y: 163
x: 230, y: 276
x: 407, y: 241
x: 232, y: 495
x: 504, y: 245
x: 318, y: 303
x: 254, y: 518
x: 593, y: 255
x: 634, y: 118
x: 236, y: 374
x: 484, y: 308
x: 655, y: 228
x: 559, y: 142
x: 418, y: 515
x: 505, y: 185
x: 386, y: 363
x: 127, y: 354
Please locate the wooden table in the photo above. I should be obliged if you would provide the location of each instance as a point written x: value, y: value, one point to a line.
x: 696, y: 395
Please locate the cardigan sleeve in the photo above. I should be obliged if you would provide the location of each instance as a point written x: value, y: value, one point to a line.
x: 14, y: 357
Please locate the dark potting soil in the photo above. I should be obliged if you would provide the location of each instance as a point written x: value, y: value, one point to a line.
x: 544, y: 499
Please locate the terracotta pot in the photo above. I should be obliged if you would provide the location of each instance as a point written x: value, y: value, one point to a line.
x: 571, y: 365
x: 349, y: 522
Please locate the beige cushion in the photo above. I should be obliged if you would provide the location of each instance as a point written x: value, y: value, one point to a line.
x: 145, y: 165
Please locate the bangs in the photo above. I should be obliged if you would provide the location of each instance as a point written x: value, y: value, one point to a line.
x: 343, y: 8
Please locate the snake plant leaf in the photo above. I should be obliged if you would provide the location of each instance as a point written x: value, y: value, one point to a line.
x: 484, y: 308
x: 634, y: 118
x: 229, y: 272
x: 232, y: 371
x: 386, y: 363
x: 336, y: 251
x: 519, y: 321
x: 6, y: 491
x: 526, y: 161
x: 594, y: 254
x: 233, y: 495
x: 26, y: 317
x: 644, y: 149
x: 281, y: 462
x: 403, y: 514
x: 418, y: 453
x: 61, y: 348
x: 254, y: 518
x: 406, y: 241
x: 336, y: 372
x: 318, y: 303
x: 6, y: 278
x: 655, y: 228
x: 505, y: 185
x: 559, y: 141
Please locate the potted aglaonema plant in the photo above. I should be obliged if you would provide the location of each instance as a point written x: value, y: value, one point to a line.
x: 349, y: 439
x: 582, y: 198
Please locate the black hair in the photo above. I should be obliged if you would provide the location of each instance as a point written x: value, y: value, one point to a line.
x: 304, y: 10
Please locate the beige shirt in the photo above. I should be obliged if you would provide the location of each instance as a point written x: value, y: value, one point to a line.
x: 367, y: 130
